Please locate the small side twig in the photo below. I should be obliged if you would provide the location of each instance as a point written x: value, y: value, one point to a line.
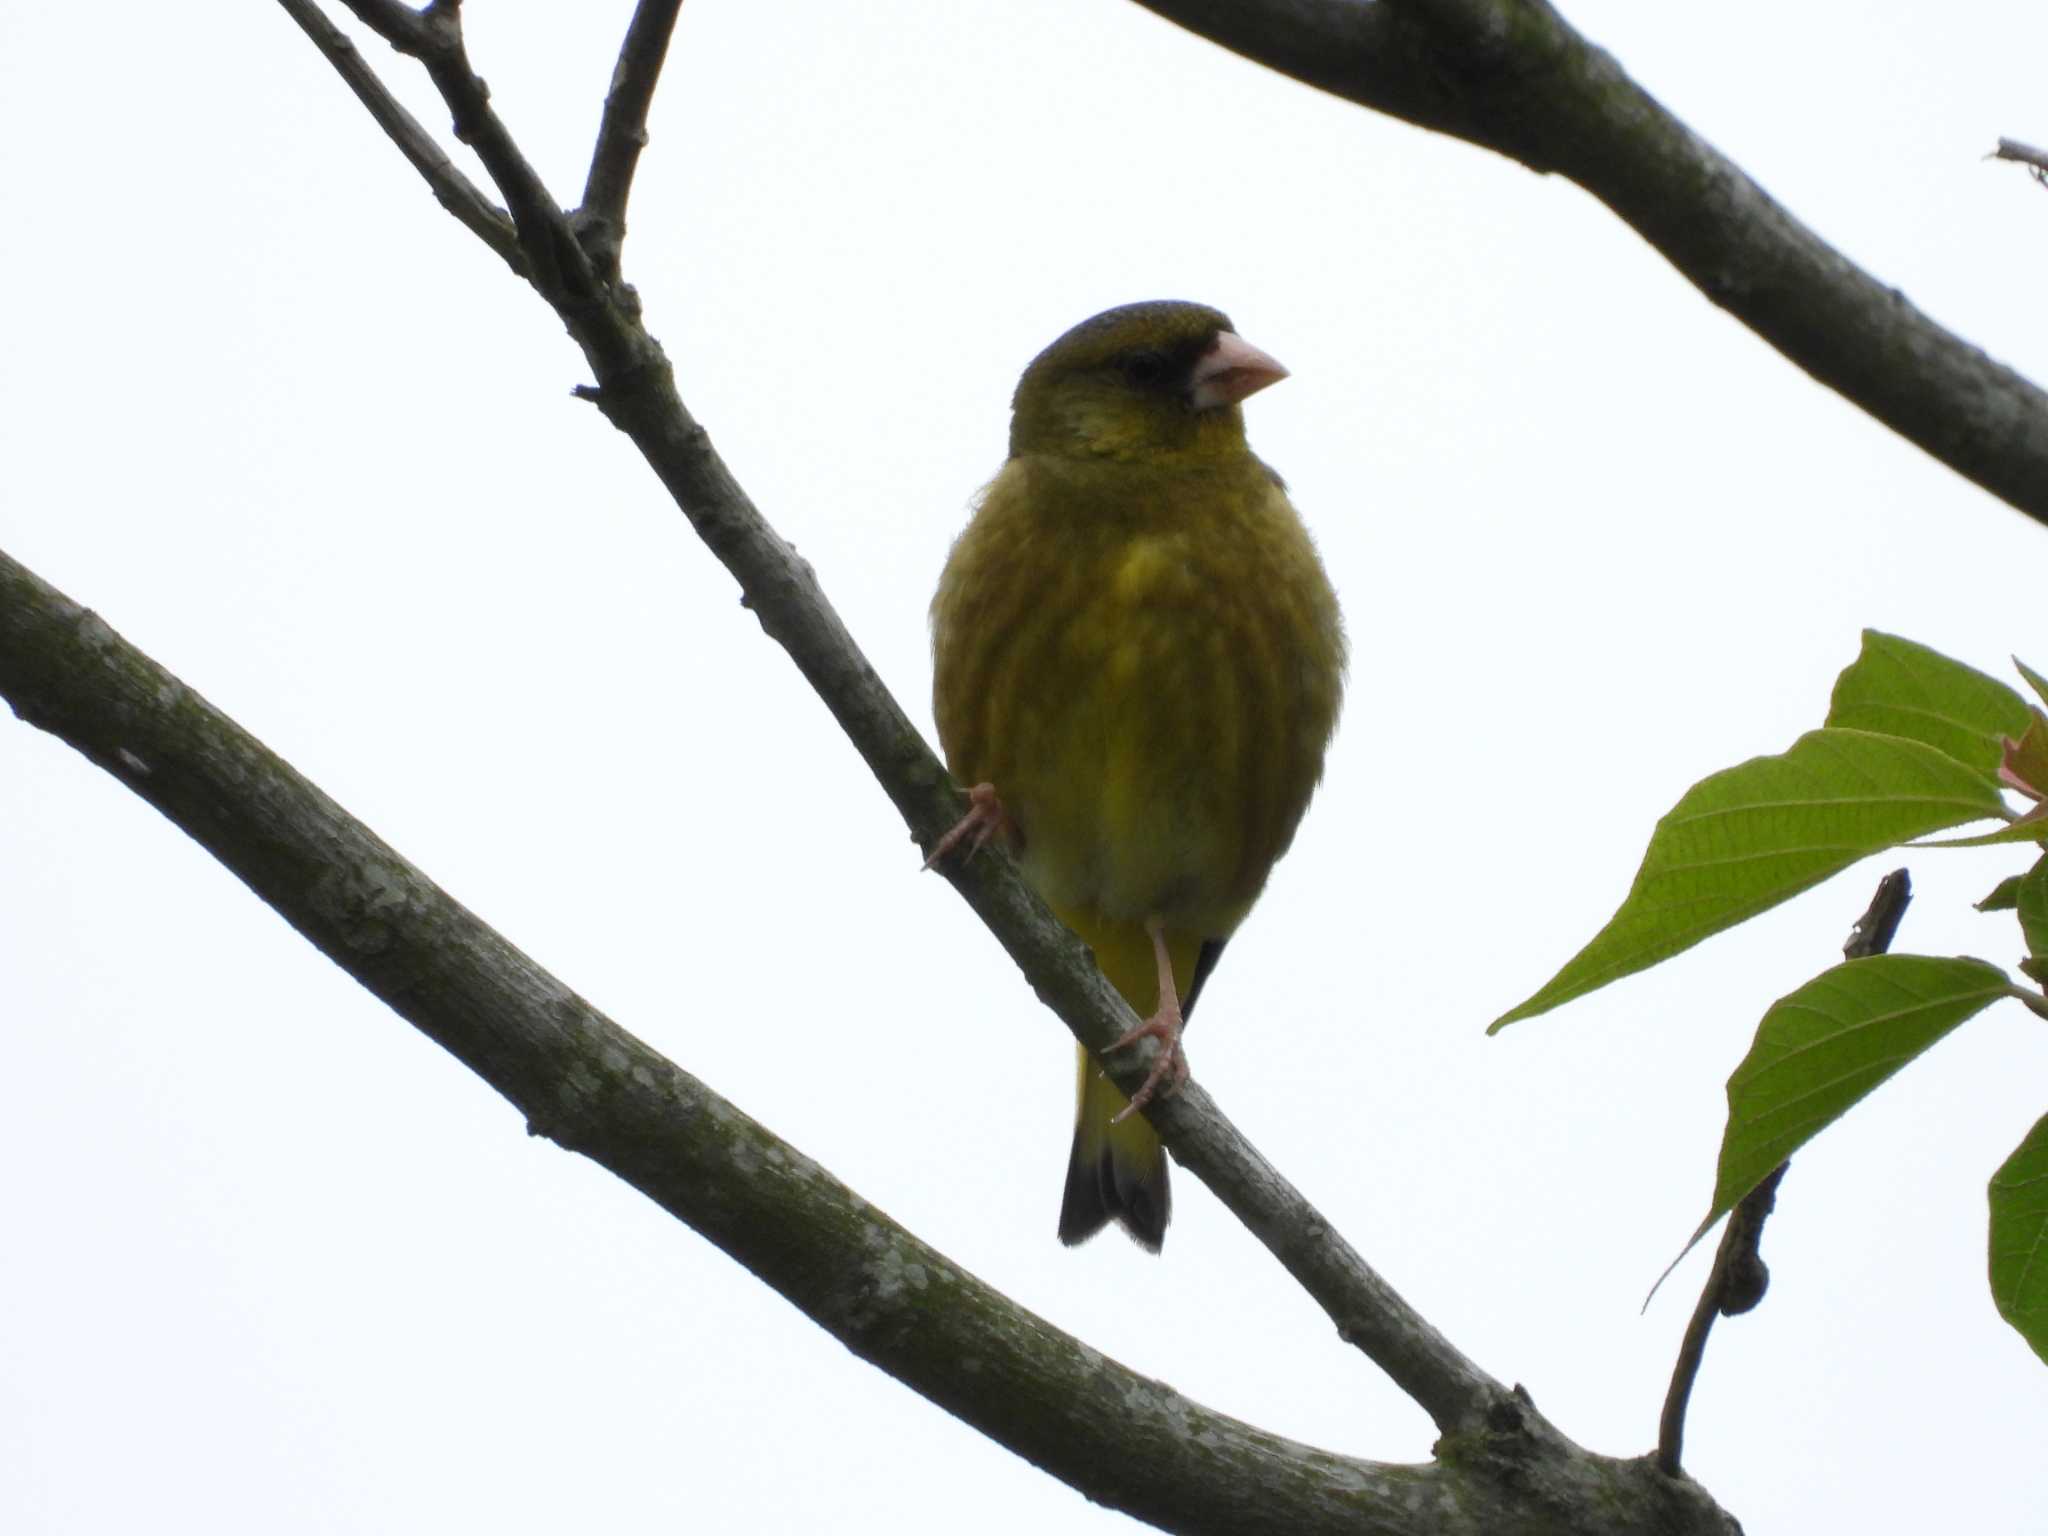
x: 451, y: 188
x: 1735, y: 1284
x: 1740, y: 1277
x: 1879, y: 924
x: 2035, y: 160
x: 622, y: 132
x: 555, y: 262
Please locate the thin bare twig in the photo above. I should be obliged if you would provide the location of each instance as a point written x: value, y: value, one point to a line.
x: 1740, y: 1277
x: 1879, y: 924
x: 1735, y: 1284
x: 622, y: 132
x: 2035, y: 160
x: 451, y: 188
x: 555, y: 260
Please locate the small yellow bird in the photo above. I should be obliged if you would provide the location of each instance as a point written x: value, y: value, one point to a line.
x: 1138, y: 663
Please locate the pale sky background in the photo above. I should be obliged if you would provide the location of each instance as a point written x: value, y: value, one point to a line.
x: 270, y: 1261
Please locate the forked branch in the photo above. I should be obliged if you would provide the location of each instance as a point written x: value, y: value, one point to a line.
x: 454, y: 191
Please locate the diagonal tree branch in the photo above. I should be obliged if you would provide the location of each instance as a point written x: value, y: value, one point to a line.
x: 1124, y: 1440
x: 622, y: 132
x: 453, y: 190
x: 1513, y: 76
x: 636, y: 390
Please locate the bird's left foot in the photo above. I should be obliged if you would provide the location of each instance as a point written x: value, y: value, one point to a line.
x: 1168, y: 1072
x: 985, y: 819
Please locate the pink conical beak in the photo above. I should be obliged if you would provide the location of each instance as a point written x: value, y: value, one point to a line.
x: 1231, y: 370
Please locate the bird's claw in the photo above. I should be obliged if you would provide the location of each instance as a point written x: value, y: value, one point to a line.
x: 984, y: 819
x: 1169, y: 1068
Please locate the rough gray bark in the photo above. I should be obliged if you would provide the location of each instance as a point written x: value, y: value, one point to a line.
x: 1120, y: 1438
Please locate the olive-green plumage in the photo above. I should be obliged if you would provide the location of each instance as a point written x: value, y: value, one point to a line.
x: 1136, y: 646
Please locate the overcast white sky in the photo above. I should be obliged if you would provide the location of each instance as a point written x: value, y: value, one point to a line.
x: 270, y: 1261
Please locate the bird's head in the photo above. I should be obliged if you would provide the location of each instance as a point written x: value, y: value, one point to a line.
x: 1160, y: 379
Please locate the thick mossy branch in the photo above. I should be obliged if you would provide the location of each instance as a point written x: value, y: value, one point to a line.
x: 1513, y: 76
x: 1124, y: 1440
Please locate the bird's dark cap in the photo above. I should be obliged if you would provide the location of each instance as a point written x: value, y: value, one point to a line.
x: 1149, y: 322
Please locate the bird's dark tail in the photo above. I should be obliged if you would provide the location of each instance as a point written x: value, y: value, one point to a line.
x: 1115, y: 1172
x: 1118, y: 1172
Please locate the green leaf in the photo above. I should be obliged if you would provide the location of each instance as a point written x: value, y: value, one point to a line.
x: 2004, y: 897
x: 2030, y: 828
x: 2019, y: 1238
x: 2034, y: 679
x: 2033, y: 908
x: 1824, y: 1047
x: 1898, y: 688
x: 1743, y: 840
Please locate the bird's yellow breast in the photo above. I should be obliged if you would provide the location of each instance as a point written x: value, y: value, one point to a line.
x: 1147, y: 665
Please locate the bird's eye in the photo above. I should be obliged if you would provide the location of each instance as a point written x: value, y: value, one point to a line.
x: 1144, y: 368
